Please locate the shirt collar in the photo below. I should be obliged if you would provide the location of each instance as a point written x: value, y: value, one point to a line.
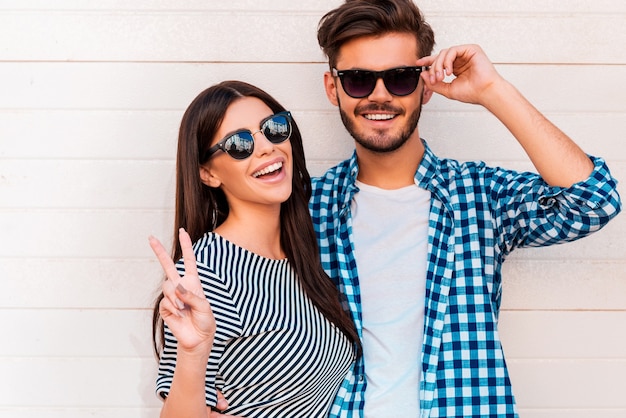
x: 428, y: 175
x: 428, y: 172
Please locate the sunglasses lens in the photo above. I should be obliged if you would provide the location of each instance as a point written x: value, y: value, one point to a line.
x: 357, y: 83
x: 239, y: 145
x: 277, y: 129
x: 398, y: 81
x: 401, y: 81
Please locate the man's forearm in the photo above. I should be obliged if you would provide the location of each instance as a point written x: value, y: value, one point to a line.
x: 559, y: 161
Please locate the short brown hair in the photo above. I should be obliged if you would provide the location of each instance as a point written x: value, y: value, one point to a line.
x: 357, y: 18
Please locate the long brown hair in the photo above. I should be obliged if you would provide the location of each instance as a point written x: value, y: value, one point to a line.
x: 200, y: 208
x: 357, y: 18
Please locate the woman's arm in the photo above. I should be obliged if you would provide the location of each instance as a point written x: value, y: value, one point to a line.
x: 188, y: 315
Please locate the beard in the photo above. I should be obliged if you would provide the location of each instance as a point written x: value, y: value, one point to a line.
x: 379, y: 141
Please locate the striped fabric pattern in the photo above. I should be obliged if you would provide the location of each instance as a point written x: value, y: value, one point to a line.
x: 274, y: 354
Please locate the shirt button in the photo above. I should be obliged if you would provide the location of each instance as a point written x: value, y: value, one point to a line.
x: 547, y: 202
x: 361, y: 378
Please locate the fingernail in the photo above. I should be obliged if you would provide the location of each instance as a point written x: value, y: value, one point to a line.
x: 180, y: 304
x: 181, y: 289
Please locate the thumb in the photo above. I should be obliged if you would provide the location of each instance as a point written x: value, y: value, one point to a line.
x: 192, y: 300
x: 222, y: 403
x: 436, y: 86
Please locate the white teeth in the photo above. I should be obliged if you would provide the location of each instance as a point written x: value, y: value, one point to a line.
x: 268, y: 169
x: 378, y: 116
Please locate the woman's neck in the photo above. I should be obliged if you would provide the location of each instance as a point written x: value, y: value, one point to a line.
x: 255, y: 230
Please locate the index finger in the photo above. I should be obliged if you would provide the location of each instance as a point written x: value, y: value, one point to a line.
x: 430, y: 71
x: 164, y: 259
x: 426, y: 61
x: 189, y: 258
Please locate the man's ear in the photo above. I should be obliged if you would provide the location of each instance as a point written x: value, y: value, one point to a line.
x: 331, y: 88
x: 208, y: 178
x: 426, y: 95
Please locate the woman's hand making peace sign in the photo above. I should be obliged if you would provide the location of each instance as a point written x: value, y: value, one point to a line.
x: 184, y: 307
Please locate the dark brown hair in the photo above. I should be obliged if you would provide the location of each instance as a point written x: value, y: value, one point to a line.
x: 357, y: 18
x: 200, y: 208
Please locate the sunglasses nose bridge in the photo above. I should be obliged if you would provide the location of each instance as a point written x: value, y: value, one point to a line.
x: 262, y: 144
x: 380, y: 88
x: 262, y: 132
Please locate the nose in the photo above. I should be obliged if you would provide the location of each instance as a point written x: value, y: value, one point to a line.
x: 380, y: 92
x: 262, y: 145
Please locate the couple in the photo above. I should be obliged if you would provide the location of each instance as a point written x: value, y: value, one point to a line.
x: 400, y: 317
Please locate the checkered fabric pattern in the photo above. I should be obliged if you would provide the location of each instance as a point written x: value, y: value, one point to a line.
x: 478, y: 215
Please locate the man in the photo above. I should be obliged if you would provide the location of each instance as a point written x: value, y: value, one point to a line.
x: 415, y: 242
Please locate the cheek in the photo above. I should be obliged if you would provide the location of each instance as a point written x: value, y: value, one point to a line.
x: 348, y: 105
x: 286, y: 149
x: 229, y: 172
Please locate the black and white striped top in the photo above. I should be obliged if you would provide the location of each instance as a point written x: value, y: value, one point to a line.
x: 274, y: 353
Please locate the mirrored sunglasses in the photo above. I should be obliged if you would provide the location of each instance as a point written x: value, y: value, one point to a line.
x: 240, y: 144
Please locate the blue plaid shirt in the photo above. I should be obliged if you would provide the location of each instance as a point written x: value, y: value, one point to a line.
x: 478, y: 215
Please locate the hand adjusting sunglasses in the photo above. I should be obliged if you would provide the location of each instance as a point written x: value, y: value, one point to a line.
x: 400, y: 81
x: 240, y: 144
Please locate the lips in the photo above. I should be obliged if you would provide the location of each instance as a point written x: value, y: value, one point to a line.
x: 272, y: 168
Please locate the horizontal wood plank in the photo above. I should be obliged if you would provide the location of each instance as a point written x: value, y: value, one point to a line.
x: 131, y: 86
x: 70, y: 283
x: 568, y: 383
x: 125, y: 333
x: 207, y: 36
x: 42, y: 134
x: 573, y: 413
x: 78, y: 382
x: 132, y: 283
x: 562, y: 335
x: 94, y: 234
x: 451, y: 7
x: 77, y: 333
x: 109, y: 184
x: 123, y: 234
x: 135, y: 185
x: 73, y: 412
x: 558, y: 384
x: 569, y: 284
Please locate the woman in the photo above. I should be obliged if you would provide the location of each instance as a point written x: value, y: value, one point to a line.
x: 255, y: 317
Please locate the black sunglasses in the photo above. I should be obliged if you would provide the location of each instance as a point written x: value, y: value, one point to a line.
x: 400, y: 81
x: 240, y: 144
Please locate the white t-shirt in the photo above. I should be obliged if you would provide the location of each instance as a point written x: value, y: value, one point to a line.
x: 390, y: 234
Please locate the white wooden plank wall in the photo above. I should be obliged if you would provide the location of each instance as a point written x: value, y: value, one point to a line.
x: 91, y: 94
